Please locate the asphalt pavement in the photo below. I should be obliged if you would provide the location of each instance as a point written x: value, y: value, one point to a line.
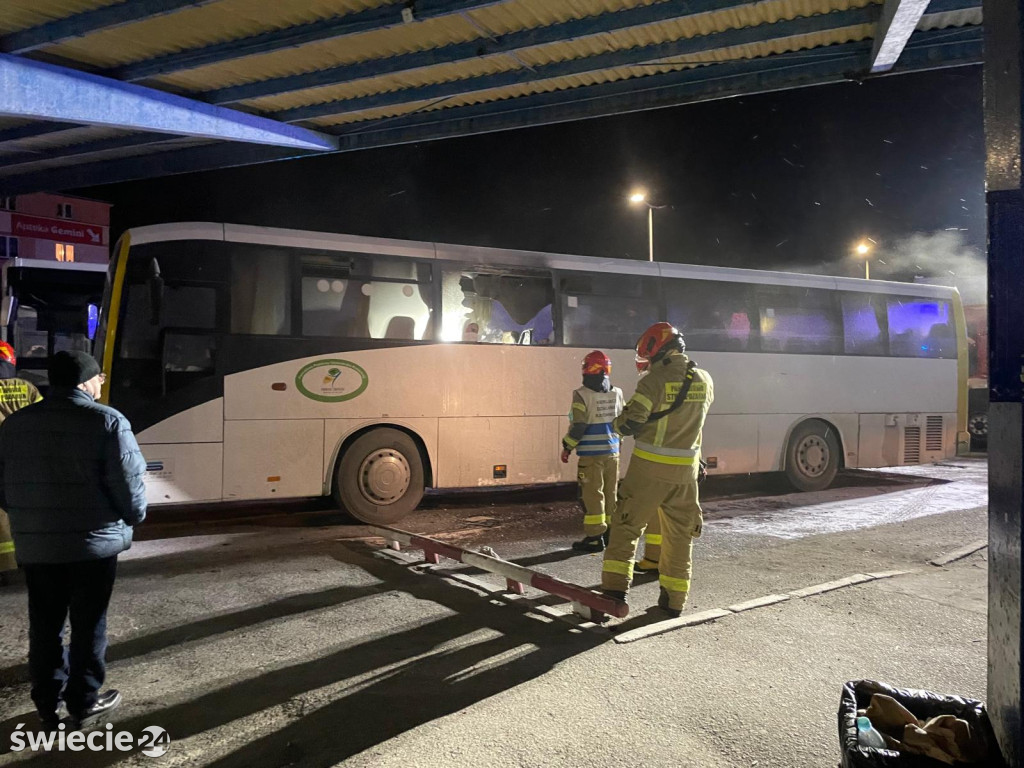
x: 286, y: 636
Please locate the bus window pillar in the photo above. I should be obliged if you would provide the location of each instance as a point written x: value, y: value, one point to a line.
x: 1004, y: 115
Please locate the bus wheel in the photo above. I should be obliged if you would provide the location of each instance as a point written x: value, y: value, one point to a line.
x: 812, y: 456
x: 379, y: 479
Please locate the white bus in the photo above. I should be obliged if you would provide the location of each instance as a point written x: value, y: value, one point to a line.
x: 259, y: 363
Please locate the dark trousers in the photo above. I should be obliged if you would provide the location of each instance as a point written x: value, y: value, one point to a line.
x: 56, y: 590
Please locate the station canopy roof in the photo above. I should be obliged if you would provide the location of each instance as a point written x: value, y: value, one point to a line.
x: 98, y: 91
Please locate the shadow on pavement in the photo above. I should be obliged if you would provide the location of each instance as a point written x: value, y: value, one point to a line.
x: 209, y: 627
x: 412, y: 680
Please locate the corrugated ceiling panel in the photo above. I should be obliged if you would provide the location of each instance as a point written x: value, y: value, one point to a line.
x: 12, y: 122
x: 110, y: 154
x: 766, y: 48
x: 952, y: 19
x: 22, y: 14
x: 431, y: 33
x: 441, y: 73
x: 202, y: 25
x: 68, y: 138
x: 701, y: 24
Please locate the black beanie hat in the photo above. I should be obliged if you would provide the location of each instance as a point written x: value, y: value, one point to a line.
x: 69, y: 369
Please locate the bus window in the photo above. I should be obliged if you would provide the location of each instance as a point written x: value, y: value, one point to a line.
x: 173, y: 314
x: 608, y: 311
x: 920, y: 328
x: 798, y: 321
x: 360, y: 298
x: 713, y: 316
x: 496, y: 308
x: 261, y: 292
x: 29, y: 340
x: 864, y: 324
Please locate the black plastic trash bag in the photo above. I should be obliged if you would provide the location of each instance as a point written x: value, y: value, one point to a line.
x: 924, y: 704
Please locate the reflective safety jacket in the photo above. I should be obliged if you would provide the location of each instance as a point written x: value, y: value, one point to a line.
x: 671, y: 443
x: 590, y: 432
x: 15, y: 394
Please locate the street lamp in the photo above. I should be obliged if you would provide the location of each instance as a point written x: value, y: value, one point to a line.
x: 639, y: 197
x: 862, y: 249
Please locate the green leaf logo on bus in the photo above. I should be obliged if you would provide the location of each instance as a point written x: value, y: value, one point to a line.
x: 331, y: 381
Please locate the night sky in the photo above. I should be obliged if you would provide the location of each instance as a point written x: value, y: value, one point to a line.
x: 786, y: 180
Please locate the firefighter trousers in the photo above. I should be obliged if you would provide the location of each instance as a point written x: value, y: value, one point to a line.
x: 7, y: 561
x: 652, y: 538
x: 598, y: 487
x: 640, y: 496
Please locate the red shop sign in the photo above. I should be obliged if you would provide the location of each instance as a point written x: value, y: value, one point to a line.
x: 58, y: 230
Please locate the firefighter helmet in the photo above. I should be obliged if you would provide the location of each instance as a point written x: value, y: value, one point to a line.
x: 655, y: 342
x: 597, y: 362
x: 7, y: 353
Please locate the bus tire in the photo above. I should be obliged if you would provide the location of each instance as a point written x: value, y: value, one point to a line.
x: 812, y: 456
x: 379, y: 479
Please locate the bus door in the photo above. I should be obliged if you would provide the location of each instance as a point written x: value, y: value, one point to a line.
x: 167, y: 375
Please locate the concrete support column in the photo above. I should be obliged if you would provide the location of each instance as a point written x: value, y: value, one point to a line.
x: 1004, y: 117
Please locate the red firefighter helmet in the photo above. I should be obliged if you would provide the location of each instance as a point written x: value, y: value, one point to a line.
x: 7, y: 353
x: 659, y: 338
x: 597, y: 362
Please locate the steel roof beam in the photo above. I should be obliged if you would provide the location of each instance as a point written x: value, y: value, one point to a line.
x: 372, y: 19
x: 899, y: 20
x: 628, y: 57
x: 928, y: 50
x: 87, y: 22
x: 39, y: 91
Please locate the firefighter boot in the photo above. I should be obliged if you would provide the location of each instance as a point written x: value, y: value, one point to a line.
x: 589, y: 544
x: 663, y: 605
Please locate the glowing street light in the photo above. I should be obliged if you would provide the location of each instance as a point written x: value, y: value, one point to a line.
x: 639, y: 197
x: 863, y: 248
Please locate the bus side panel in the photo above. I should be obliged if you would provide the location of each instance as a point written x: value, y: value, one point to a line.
x: 202, y: 424
x: 470, y: 450
x: 267, y: 458
x: 337, y: 430
x: 181, y: 473
x: 731, y: 443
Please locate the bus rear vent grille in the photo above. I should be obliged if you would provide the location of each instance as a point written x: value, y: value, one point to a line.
x: 912, y: 445
x: 933, y: 434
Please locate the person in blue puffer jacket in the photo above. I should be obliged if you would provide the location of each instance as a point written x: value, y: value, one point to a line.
x: 71, y: 480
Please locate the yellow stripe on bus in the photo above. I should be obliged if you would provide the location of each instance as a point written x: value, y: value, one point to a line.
x: 113, y: 312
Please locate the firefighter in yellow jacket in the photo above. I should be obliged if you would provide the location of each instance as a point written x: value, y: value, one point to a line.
x: 15, y: 394
x: 594, y: 406
x: 665, y: 417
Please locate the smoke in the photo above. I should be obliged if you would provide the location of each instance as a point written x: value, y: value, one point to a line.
x: 937, y: 257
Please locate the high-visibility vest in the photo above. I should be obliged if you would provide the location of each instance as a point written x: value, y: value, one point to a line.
x: 15, y: 394
x: 601, y: 409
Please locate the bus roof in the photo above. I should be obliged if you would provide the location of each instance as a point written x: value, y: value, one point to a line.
x: 486, y: 256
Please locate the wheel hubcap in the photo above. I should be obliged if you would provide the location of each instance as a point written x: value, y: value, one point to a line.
x: 979, y: 426
x: 812, y: 456
x: 384, y: 477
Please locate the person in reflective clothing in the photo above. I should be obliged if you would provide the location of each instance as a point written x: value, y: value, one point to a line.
x: 15, y: 394
x: 666, y: 418
x: 594, y: 406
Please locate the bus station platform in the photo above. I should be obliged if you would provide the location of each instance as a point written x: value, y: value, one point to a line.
x: 293, y: 637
